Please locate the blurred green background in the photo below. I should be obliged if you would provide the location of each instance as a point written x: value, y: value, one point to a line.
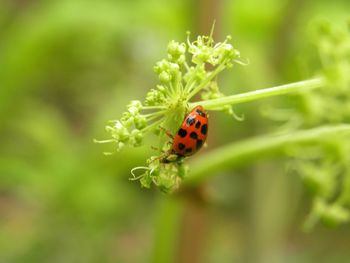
x: 68, y: 66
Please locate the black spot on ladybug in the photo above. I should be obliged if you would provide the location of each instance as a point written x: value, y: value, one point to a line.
x: 194, y: 135
x: 188, y: 150
x: 198, y: 124
x: 199, y: 144
x: 200, y: 113
x: 190, y: 121
x: 182, y: 133
x: 181, y: 146
x: 204, y: 129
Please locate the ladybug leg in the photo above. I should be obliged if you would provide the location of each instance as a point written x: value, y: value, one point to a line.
x: 157, y: 158
x: 159, y: 150
x: 162, y: 158
x: 167, y: 132
x: 155, y: 148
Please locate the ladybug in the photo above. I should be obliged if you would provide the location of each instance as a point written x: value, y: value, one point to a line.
x: 191, y: 135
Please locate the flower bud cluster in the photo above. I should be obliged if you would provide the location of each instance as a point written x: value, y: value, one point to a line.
x: 333, y: 46
x: 156, y: 96
x: 331, y: 179
x: 128, y: 130
x: 203, y: 50
x: 167, y: 71
x: 177, y: 52
x: 166, y: 177
x: 326, y: 171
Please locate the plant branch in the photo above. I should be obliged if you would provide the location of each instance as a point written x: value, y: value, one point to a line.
x: 206, y: 81
x: 167, y: 228
x: 262, y: 93
x: 240, y: 153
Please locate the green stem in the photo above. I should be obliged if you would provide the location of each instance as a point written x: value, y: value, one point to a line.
x: 167, y: 228
x: 151, y: 116
x: 173, y: 92
x: 262, y: 93
x: 153, y: 125
x: 206, y: 81
x: 192, y: 81
x: 161, y: 107
x: 240, y: 153
x: 189, y: 87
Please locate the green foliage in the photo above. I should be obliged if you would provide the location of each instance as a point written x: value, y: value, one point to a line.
x: 325, y: 167
x: 66, y: 66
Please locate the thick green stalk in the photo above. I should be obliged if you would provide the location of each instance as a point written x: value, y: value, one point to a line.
x: 262, y: 93
x: 240, y: 153
x: 167, y: 229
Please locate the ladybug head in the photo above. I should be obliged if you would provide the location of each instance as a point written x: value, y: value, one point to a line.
x: 199, y: 107
x: 200, y: 111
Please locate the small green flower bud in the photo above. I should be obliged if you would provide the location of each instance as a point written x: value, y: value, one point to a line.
x: 202, y: 56
x: 136, y: 137
x: 133, y: 110
x: 140, y: 122
x: 161, y: 88
x: 173, y: 47
x: 120, y: 145
x: 176, y: 52
x: 173, y: 67
x: 120, y: 132
x: 135, y: 104
x: 156, y: 97
x: 227, y: 49
x: 128, y: 120
x: 164, y: 77
x: 161, y: 66
x: 181, y: 59
x: 176, y: 48
x: 146, y: 180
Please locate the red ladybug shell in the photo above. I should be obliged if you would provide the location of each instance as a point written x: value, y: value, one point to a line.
x: 192, y: 133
